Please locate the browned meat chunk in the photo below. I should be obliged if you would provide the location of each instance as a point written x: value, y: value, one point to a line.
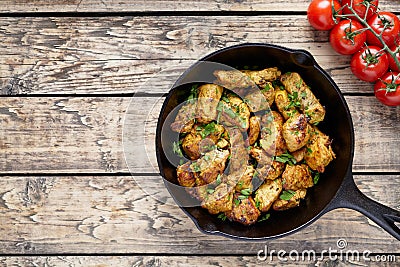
x: 209, y: 166
x: 267, y: 169
x: 297, y: 177
x: 233, y: 79
x: 254, y: 130
x: 234, y: 112
x: 207, y: 102
x: 271, y: 139
x: 267, y: 193
x: 298, y: 155
x: 219, y: 200
x: 260, y: 99
x: 239, y: 155
x: 185, y: 118
x: 185, y: 175
x: 243, y: 210
x: 296, y: 132
x: 284, y: 105
x: 294, y: 201
x: 319, y: 151
x: 262, y: 77
x: 309, y: 104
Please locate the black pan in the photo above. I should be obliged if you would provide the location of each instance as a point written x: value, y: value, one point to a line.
x: 336, y: 187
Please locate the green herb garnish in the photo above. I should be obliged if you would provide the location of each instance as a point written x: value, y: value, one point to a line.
x: 246, y: 192
x: 316, y: 177
x: 264, y: 217
x: 177, y: 149
x: 286, y: 158
x: 287, y: 195
x: 222, y: 216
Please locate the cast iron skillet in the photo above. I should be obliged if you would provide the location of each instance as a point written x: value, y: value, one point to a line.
x: 336, y: 187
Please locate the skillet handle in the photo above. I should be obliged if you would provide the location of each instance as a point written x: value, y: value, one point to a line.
x: 349, y: 196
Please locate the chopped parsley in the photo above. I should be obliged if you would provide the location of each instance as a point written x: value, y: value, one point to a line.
x: 264, y: 217
x: 287, y: 195
x: 316, y: 177
x: 195, y: 167
x: 267, y: 88
x: 218, y: 180
x: 286, y: 158
x: 177, y: 149
x: 294, y: 101
x: 222, y: 216
x: 246, y: 192
x: 210, y: 190
x: 193, y: 94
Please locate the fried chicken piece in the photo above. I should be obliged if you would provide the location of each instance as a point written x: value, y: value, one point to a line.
x: 262, y: 77
x: 243, y: 210
x: 207, y: 102
x: 296, y: 132
x: 267, y: 194
x: 239, y: 155
x: 309, y: 104
x: 202, y: 139
x: 219, y: 200
x: 254, y: 130
x: 260, y: 99
x: 284, y: 105
x: 185, y: 175
x: 294, y: 201
x: 297, y: 177
x: 233, y: 79
x: 191, y: 145
x: 234, y: 112
x: 209, y: 166
x: 319, y: 151
x: 271, y: 172
x: 271, y: 139
x: 267, y: 169
x: 243, y: 180
x: 185, y: 118
x: 299, y: 154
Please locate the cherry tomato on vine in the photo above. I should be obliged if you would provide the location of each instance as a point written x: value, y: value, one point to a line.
x: 347, y: 37
x: 360, y: 7
x: 392, y: 63
x: 320, y: 14
x: 386, y: 23
x: 369, y: 64
x: 387, y: 89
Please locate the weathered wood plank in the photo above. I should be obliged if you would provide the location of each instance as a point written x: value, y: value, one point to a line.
x: 80, y: 134
x: 9, y: 6
x: 189, y: 261
x: 89, y: 214
x: 119, y: 54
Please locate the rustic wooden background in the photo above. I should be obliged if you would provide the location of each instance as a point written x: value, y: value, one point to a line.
x: 69, y: 70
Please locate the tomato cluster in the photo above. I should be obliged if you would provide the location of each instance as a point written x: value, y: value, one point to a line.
x: 352, y: 24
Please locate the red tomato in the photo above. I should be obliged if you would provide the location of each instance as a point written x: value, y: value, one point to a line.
x: 387, y: 89
x: 385, y: 22
x: 392, y: 63
x: 347, y: 37
x: 369, y: 63
x: 320, y: 14
x: 360, y: 7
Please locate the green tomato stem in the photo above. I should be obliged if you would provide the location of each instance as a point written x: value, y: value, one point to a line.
x: 363, y: 21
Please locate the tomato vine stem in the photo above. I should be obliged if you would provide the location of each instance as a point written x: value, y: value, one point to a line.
x: 363, y: 21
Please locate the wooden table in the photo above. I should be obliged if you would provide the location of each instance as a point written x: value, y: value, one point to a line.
x: 69, y: 71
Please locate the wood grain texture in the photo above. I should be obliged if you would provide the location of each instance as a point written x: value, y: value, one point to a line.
x: 63, y: 55
x: 189, y: 261
x: 162, y: 5
x: 85, y: 134
x: 101, y: 214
